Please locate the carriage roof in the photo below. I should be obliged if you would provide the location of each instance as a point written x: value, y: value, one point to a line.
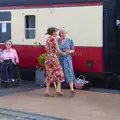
x: 42, y: 2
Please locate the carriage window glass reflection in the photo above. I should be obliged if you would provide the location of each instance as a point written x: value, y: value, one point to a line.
x: 30, y: 26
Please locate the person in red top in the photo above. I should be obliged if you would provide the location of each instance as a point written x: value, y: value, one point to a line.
x: 54, y: 72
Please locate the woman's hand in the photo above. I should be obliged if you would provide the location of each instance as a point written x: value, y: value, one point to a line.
x: 64, y: 53
x: 17, y: 61
x: 68, y: 51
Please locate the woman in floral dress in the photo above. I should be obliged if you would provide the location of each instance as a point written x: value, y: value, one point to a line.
x: 54, y: 72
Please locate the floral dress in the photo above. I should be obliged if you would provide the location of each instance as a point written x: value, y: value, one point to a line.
x: 54, y: 70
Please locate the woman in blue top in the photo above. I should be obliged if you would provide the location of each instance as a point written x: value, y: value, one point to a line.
x: 67, y: 45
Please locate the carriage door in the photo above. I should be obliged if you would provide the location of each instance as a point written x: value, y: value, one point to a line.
x: 30, y: 26
x: 117, y: 37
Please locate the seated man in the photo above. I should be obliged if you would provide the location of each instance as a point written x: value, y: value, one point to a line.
x: 10, y: 58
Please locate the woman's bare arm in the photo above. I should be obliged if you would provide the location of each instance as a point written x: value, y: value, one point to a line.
x: 16, y: 55
x: 72, y: 50
x: 57, y: 48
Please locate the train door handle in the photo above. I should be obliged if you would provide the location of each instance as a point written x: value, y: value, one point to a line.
x: 35, y: 43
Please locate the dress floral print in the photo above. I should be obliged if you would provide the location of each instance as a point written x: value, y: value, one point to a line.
x: 54, y: 70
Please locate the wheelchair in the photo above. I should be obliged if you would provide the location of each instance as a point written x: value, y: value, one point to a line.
x: 17, y: 77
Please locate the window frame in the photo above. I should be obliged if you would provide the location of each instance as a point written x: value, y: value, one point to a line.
x: 25, y: 29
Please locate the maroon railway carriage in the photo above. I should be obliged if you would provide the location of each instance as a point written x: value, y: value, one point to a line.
x: 90, y: 23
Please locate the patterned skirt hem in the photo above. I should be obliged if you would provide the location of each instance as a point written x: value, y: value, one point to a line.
x: 55, y: 81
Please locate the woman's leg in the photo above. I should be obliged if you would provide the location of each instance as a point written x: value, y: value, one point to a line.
x: 47, y: 91
x: 10, y: 70
x: 47, y: 88
x: 5, y: 73
x: 59, y: 86
x: 58, y: 90
x: 71, y: 86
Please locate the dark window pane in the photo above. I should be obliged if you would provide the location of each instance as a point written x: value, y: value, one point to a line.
x: 30, y: 34
x: 5, y: 16
x: 5, y: 35
x: 30, y: 21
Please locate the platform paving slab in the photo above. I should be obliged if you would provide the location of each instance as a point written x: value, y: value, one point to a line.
x: 6, y: 114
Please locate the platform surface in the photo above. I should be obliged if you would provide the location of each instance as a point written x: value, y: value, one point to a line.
x: 96, y: 104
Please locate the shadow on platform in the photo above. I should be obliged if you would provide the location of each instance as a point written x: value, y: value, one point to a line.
x: 30, y: 86
x: 24, y: 87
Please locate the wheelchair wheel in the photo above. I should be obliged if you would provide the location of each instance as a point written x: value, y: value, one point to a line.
x: 2, y: 83
x: 17, y: 82
x: 0, y: 79
x: 18, y: 79
x: 5, y: 84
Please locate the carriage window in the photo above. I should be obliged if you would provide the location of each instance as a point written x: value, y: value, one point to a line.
x: 5, y: 26
x: 30, y: 27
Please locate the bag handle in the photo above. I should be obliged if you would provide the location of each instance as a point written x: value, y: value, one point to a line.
x: 81, y: 76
